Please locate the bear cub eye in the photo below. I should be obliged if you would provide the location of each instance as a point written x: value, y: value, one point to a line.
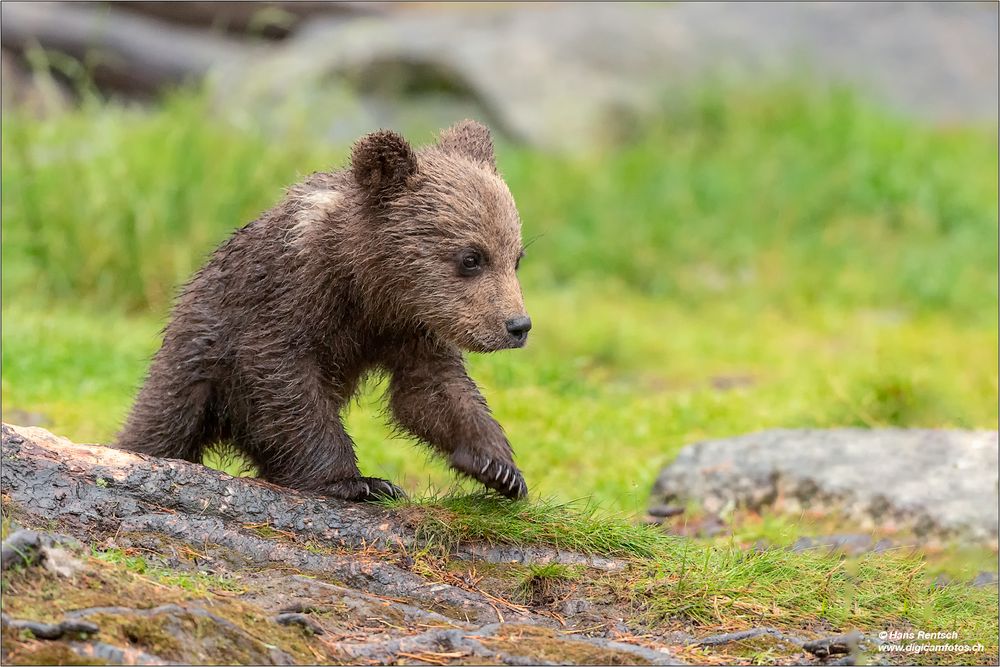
x: 470, y: 262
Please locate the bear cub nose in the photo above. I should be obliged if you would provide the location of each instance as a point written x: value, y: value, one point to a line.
x: 519, y: 327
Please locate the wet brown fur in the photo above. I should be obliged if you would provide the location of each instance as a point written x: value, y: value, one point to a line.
x: 355, y: 271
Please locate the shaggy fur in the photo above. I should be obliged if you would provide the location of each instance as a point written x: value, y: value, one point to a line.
x: 355, y: 271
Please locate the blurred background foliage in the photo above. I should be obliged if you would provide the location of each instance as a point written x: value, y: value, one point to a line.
x: 787, y: 197
x: 785, y: 255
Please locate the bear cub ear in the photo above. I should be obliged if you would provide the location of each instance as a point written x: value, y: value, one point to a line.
x: 469, y: 139
x: 382, y: 162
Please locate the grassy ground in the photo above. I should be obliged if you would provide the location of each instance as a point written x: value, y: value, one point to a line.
x: 781, y: 258
x: 664, y: 583
x: 594, y: 411
x: 722, y: 585
x: 787, y: 258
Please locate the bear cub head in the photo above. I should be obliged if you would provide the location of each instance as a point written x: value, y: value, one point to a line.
x: 443, y: 237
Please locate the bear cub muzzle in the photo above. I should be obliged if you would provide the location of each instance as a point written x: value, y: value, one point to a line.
x: 393, y: 266
x: 518, y: 329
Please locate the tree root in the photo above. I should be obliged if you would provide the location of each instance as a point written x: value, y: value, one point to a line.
x: 341, y: 571
x: 50, y: 630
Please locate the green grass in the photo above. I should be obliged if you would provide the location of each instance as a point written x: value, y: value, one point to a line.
x: 595, y: 409
x: 732, y: 586
x: 451, y: 519
x: 198, y: 583
x: 773, y: 199
x: 717, y: 584
x: 956, y: 559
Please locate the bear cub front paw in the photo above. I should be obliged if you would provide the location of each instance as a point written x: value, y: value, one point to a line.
x: 500, y: 475
x: 362, y: 489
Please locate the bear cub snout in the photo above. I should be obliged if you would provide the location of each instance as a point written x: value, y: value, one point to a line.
x: 518, y: 328
x: 393, y: 265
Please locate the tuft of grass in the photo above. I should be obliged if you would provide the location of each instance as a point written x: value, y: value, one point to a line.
x: 553, y: 571
x: 541, y: 581
x: 451, y: 519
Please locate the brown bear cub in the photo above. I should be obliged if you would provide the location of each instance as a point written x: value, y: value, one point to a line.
x: 394, y: 265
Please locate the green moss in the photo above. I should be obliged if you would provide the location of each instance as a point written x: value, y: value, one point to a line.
x: 195, y: 582
x: 36, y: 594
x: 265, y: 531
x: 118, y: 581
x: 184, y: 636
x: 151, y: 634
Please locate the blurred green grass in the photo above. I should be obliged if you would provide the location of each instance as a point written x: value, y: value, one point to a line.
x: 781, y: 257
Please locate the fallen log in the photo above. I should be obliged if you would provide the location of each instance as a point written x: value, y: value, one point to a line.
x: 273, y: 20
x: 180, y: 563
x: 95, y: 487
x: 126, y: 52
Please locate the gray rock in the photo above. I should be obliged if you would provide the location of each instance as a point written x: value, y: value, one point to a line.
x: 572, y: 75
x: 933, y: 482
x: 984, y: 579
x: 140, y: 55
x: 846, y: 543
x: 24, y: 548
x: 829, y: 647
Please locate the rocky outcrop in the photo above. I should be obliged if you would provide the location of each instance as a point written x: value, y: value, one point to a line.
x: 933, y: 482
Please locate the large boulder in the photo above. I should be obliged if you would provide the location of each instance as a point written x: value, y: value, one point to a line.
x: 570, y: 76
x: 934, y: 482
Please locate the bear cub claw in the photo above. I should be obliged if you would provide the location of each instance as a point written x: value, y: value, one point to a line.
x: 363, y: 489
x: 500, y: 476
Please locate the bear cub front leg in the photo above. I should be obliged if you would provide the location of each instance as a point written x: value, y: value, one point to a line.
x: 432, y: 397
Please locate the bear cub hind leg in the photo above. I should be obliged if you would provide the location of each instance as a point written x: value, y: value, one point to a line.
x: 298, y: 440
x: 363, y: 489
